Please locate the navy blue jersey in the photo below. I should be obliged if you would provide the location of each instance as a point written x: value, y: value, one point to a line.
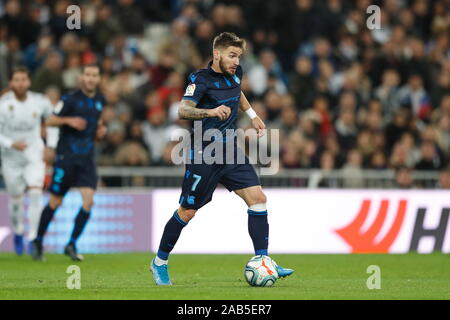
x: 72, y: 141
x: 210, y: 89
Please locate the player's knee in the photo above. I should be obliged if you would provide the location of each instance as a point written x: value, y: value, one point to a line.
x: 88, y: 204
x: 258, y: 198
x: 186, y: 214
x: 35, y: 195
x: 55, y: 202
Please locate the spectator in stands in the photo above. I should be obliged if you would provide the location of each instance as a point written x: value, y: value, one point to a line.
x: 301, y: 84
x: 114, y: 140
x: 181, y: 45
x: 430, y: 159
x: 414, y: 97
x: 50, y: 74
x: 444, y: 179
x: 403, y: 178
x: 156, y: 134
x: 259, y: 74
x: 105, y: 27
x: 352, y: 170
x: 397, y: 127
x: 327, y: 163
x: 378, y: 160
x: 346, y: 129
x: 131, y: 154
x: 204, y: 35
x: 72, y: 71
x: 388, y: 92
x: 441, y: 89
x: 130, y: 17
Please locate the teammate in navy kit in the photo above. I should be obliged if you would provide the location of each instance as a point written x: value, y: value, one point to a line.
x: 214, y: 97
x: 79, y: 119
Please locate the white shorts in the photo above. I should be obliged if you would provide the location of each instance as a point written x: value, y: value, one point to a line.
x: 20, y: 175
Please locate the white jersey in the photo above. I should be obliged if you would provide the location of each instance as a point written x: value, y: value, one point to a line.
x: 21, y: 121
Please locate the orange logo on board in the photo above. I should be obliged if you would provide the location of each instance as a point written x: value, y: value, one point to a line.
x: 365, y: 242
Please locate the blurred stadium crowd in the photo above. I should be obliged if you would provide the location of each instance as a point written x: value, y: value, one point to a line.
x: 343, y: 96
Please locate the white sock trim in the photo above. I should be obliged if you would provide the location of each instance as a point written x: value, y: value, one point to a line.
x: 160, y: 262
x: 258, y: 207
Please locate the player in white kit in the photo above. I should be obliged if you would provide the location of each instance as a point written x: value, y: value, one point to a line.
x: 22, y: 151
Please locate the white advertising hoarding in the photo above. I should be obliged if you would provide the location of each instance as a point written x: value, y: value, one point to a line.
x: 315, y: 221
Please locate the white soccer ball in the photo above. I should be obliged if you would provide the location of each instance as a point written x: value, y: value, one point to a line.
x: 260, y: 271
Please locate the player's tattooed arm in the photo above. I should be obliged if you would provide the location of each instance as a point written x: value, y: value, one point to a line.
x: 188, y: 111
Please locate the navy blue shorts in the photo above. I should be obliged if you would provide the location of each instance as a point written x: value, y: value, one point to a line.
x: 200, y: 181
x: 74, y: 172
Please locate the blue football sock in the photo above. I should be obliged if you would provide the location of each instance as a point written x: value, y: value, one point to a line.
x: 80, y: 222
x: 46, y: 217
x: 258, y: 228
x: 170, y: 235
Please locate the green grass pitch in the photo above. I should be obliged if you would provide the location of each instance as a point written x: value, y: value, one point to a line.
x: 126, y: 276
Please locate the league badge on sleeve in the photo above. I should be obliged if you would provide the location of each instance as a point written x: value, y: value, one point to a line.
x: 190, y: 90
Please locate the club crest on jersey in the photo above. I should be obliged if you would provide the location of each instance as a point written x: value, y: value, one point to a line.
x: 34, y: 114
x: 11, y: 108
x: 190, y: 90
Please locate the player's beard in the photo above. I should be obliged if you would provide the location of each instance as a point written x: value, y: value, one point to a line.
x: 21, y: 94
x: 223, y: 68
x: 90, y: 90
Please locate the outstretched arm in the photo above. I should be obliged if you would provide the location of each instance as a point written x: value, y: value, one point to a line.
x: 244, y: 105
x: 74, y: 122
x: 257, y: 123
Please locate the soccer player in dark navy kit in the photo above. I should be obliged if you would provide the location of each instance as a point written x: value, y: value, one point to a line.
x: 79, y: 119
x: 214, y: 97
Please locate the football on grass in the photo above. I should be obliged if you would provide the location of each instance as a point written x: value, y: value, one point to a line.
x: 260, y: 271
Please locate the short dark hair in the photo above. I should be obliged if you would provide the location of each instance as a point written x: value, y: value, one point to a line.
x: 91, y: 65
x: 228, y: 39
x: 18, y: 69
